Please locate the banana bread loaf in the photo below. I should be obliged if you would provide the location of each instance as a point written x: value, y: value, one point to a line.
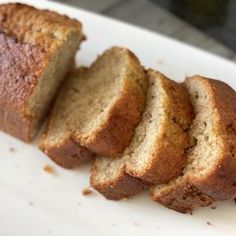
x: 37, y: 48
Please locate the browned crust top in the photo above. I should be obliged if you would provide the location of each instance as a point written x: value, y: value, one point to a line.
x: 44, y: 28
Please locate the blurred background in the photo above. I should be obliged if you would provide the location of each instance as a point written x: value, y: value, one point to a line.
x: 208, y: 24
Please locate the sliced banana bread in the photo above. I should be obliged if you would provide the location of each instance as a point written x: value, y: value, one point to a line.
x: 210, y: 174
x: 37, y: 48
x: 157, y: 151
x: 96, y: 110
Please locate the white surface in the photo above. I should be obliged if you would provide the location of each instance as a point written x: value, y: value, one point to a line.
x: 33, y: 202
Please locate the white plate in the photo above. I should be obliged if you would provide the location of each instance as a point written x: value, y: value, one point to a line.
x: 33, y: 202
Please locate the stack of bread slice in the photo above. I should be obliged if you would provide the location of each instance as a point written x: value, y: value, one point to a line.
x: 96, y: 110
x: 156, y: 153
x: 210, y: 173
x: 169, y: 138
x: 140, y: 129
x: 145, y: 131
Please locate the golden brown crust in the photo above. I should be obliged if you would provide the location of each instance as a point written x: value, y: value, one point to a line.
x: 67, y: 154
x: 28, y: 38
x: 123, y: 186
x: 168, y: 153
x: 184, y: 198
x: 43, y: 28
x: 115, y: 134
x: 219, y: 181
x: 20, y: 66
x: 16, y: 126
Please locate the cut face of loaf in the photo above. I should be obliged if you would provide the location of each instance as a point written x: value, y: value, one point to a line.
x: 157, y: 151
x: 97, y: 109
x: 37, y: 50
x: 210, y: 174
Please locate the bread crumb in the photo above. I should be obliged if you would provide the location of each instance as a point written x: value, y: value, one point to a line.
x: 160, y: 62
x: 12, y: 149
x: 136, y: 224
x: 213, y: 207
x: 86, y: 191
x: 209, y: 223
x: 48, y: 169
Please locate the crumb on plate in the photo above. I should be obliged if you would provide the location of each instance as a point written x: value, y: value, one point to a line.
x: 48, y: 169
x: 86, y: 191
x: 213, y: 207
x: 12, y: 149
x: 209, y: 223
x: 160, y: 62
x: 136, y: 224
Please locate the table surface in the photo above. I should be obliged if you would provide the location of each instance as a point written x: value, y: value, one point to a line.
x: 155, y: 15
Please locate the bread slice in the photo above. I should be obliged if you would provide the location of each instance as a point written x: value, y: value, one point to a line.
x: 97, y: 109
x: 37, y: 49
x: 157, y: 151
x: 210, y: 174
